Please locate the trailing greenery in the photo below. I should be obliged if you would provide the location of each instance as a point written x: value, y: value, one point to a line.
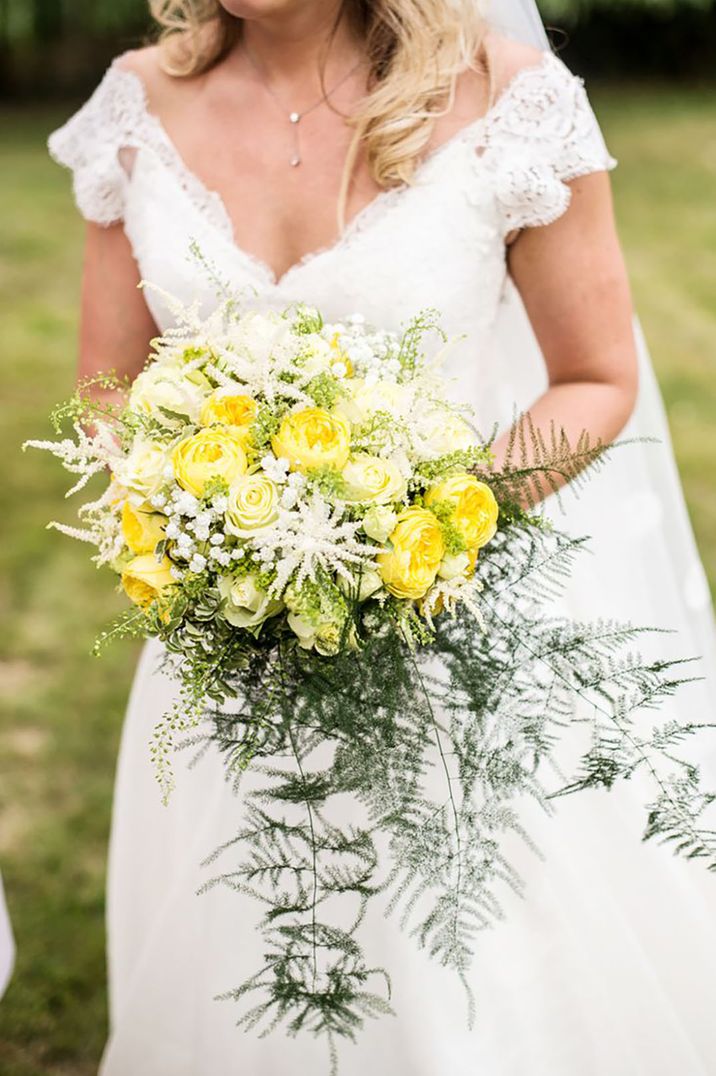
x: 436, y: 749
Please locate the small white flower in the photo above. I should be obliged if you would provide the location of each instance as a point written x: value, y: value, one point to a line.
x: 217, y: 539
x: 220, y: 503
x: 176, y: 572
x: 289, y: 498
x: 159, y: 500
x: 197, y: 563
x: 172, y: 530
x: 238, y: 554
x: 339, y: 369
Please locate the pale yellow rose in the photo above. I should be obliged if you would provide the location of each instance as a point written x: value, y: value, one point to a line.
x: 410, y: 567
x: 143, y: 470
x: 230, y: 409
x: 475, y: 509
x: 142, y: 528
x: 212, y: 453
x: 371, y: 478
x: 246, y: 604
x: 312, y: 438
x: 455, y: 564
x: 325, y: 637
x: 379, y: 523
x: 165, y: 386
x: 253, y: 504
x: 146, y: 579
x: 364, y: 585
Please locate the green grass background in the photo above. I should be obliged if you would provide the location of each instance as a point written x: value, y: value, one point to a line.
x: 61, y: 709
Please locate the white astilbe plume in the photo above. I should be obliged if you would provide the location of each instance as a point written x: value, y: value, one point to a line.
x: 312, y: 539
x: 86, y: 456
x: 447, y: 594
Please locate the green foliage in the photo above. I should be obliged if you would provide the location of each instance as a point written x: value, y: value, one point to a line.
x: 428, y: 833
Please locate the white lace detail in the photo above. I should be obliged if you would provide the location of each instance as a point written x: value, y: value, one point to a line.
x: 541, y: 133
x: 117, y: 117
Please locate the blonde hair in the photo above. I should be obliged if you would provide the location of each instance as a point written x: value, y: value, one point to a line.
x: 415, y: 51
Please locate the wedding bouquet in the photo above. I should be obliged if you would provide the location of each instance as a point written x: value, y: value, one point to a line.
x: 342, y: 579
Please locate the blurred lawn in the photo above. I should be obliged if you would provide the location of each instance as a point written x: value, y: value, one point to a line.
x: 61, y: 709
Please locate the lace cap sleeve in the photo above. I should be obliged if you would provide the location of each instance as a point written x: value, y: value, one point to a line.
x: 541, y: 134
x: 90, y: 142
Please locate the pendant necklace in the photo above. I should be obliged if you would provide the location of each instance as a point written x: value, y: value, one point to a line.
x: 294, y: 117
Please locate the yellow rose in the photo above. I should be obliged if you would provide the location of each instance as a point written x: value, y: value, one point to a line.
x: 313, y: 438
x: 370, y: 478
x: 142, y: 529
x: 475, y: 509
x: 409, y: 568
x: 253, y: 504
x: 230, y: 409
x: 146, y: 579
x: 212, y: 453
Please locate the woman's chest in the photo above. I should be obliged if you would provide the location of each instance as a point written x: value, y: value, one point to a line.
x: 435, y: 244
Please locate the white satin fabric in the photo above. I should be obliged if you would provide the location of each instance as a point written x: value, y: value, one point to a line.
x: 7, y: 944
x: 608, y: 967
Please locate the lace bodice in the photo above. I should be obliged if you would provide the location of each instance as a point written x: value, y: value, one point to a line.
x: 439, y: 242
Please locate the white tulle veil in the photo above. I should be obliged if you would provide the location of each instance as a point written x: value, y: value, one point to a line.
x: 646, y: 562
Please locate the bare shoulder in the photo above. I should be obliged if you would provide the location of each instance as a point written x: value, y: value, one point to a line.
x: 507, y: 58
x: 161, y: 88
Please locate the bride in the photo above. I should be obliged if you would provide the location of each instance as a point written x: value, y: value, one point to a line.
x: 380, y: 156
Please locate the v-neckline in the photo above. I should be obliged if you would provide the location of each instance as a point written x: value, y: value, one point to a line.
x: 382, y: 201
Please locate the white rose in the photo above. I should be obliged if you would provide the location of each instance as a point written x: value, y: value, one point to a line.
x: 379, y: 523
x: 371, y: 478
x: 318, y: 358
x: 303, y: 629
x: 142, y: 471
x: 443, y: 432
x: 166, y: 386
x: 247, y: 605
x: 252, y: 505
x: 454, y: 565
x: 363, y: 400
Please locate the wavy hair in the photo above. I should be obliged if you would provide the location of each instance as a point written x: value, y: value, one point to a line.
x: 415, y: 51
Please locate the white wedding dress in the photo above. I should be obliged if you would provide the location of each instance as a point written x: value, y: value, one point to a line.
x: 608, y: 967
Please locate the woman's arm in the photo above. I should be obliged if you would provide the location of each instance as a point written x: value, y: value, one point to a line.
x: 116, y: 326
x: 573, y: 282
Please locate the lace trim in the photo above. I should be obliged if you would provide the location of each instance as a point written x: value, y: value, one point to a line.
x: 117, y: 117
x: 541, y: 134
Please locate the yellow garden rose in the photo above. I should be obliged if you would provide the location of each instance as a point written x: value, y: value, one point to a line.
x: 253, y: 504
x: 475, y: 509
x: 371, y: 478
x: 142, y: 528
x: 212, y: 453
x: 313, y: 437
x: 409, y: 568
x: 145, y: 579
x: 230, y: 409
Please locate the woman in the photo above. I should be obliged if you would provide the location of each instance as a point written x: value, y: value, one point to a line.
x: 472, y: 175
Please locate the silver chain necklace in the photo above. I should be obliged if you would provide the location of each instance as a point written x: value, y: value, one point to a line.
x: 294, y: 118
